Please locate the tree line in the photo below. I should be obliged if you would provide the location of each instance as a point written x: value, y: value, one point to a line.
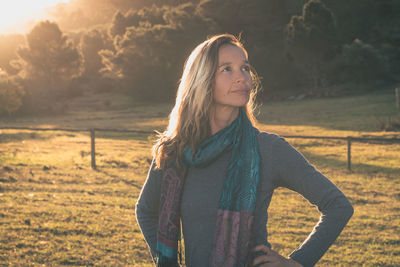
x: 315, y: 47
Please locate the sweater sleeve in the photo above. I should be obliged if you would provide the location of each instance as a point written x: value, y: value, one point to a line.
x: 295, y: 173
x: 147, y: 208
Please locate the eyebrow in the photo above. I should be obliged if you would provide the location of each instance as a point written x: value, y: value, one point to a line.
x: 228, y: 63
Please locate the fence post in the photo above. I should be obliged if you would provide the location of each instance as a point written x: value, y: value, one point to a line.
x: 397, y: 98
x: 93, y: 149
x: 349, y: 153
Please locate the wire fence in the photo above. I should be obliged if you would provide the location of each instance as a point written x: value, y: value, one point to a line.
x: 92, y: 131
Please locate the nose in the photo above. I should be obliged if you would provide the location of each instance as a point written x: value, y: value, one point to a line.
x: 240, y: 77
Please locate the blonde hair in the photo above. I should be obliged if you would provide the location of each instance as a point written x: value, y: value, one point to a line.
x: 189, y: 119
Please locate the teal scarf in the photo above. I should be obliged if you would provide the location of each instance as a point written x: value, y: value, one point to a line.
x: 233, y: 238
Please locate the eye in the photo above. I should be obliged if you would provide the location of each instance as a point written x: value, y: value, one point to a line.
x: 227, y: 68
x: 246, y: 68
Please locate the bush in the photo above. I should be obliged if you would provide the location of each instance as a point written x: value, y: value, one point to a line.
x: 10, y: 94
x: 361, y: 63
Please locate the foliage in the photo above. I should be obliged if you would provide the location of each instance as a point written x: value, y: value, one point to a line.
x: 78, y: 14
x: 295, y: 49
x: 8, y: 47
x: 10, y: 94
x: 47, y: 63
x: 91, y: 43
x: 361, y: 63
x: 387, y: 28
x: 150, y: 47
x: 310, y: 40
x: 391, y: 55
x: 355, y: 19
x: 49, y: 54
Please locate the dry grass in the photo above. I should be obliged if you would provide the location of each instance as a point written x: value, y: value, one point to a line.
x: 56, y: 210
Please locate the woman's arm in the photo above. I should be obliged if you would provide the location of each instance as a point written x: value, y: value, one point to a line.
x: 295, y: 173
x: 147, y: 208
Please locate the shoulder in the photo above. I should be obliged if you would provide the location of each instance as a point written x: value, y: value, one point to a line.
x: 274, y: 144
x: 266, y: 138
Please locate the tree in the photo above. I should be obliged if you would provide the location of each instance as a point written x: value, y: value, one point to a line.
x: 10, y: 94
x: 362, y: 63
x: 8, y: 47
x: 311, y: 40
x: 148, y: 57
x: 79, y: 14
x: 354, y: 18
x: 90, y: 44
x: 260, y: 24
x: 49, y: 60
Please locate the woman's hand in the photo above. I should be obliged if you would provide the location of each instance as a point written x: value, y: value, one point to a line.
x: 272, y: 258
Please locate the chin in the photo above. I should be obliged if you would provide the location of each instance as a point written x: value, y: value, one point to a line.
x: 243, y: 103
x: 237, y: 103
x: 240, y: 105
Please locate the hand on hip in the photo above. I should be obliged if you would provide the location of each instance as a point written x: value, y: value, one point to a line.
x: 271, y: 258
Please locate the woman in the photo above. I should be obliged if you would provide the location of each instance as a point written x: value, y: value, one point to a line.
x: 215, y: 174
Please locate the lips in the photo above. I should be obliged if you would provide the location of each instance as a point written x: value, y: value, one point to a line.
x: 241, y: 91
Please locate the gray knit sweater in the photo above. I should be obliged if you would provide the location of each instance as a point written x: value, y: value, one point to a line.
x: 281, y: 166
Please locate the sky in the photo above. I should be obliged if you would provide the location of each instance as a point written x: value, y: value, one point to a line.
x: 19, y: 16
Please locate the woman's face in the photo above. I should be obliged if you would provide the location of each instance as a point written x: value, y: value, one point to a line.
x: 233, y: 81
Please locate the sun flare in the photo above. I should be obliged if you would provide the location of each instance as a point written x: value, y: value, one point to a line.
x: 18, y: 15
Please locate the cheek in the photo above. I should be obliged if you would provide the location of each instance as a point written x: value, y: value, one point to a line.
x: 249, y: 80
x: 219, y: 93
x: 222, y: 86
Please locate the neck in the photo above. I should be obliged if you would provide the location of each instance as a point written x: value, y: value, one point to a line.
x: 222, y: 116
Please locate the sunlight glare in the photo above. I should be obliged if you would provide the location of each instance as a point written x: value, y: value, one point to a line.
x: 17, y: 15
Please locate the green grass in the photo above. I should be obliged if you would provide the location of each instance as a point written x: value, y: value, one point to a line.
x: 354, y: 113
x: 56, y: 211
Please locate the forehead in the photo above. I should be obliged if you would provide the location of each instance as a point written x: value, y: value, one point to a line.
x: 229, y: 52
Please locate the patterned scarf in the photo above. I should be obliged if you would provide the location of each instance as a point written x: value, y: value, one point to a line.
x: 233, y: 238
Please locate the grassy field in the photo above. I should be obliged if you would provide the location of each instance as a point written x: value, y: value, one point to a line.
x: 55, y: 210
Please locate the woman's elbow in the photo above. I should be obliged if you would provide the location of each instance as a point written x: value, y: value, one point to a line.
x: 348, y: 210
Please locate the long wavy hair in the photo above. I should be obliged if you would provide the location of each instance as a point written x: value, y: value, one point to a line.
x: 189, y: 121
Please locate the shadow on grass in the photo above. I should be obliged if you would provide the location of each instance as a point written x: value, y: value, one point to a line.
x: 126, y: 136
x: 68, y: 232
x: 76, y: 261
x: 358, y: 167
x: 117, y: 178
x: 22, y: 136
